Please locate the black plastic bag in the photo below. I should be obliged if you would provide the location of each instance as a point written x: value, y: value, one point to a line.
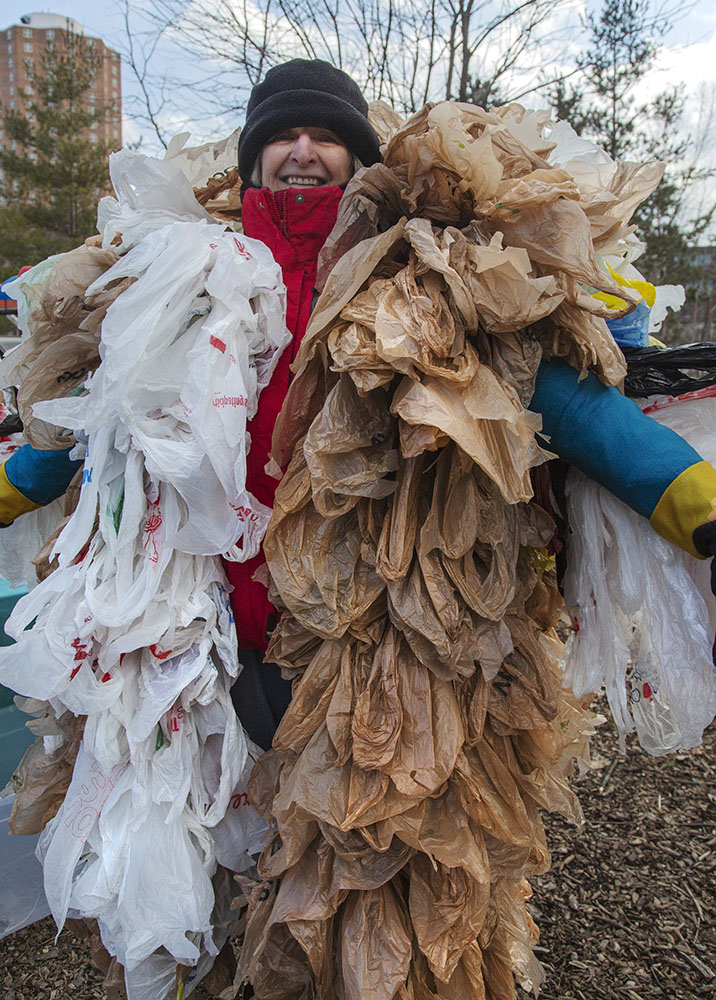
x: 670, y: 371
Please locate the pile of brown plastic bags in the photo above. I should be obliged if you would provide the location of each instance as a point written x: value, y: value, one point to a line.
x: 428, y: 725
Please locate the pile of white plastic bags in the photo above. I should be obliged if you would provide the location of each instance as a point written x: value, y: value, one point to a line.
x: 134, y: 628
x: 642, y: 609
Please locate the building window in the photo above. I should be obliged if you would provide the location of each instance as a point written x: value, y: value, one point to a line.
x: 28, y: 46
x: 50, y: 46
x: 90, y: 42
x: 12, y: 89
x: 50, y: 33
x: 27, y: 32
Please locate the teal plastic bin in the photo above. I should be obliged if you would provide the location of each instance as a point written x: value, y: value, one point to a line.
x: 22, y: 897
x: 14, y: 737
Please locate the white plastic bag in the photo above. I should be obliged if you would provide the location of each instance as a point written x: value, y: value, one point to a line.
x: 241, y: 832
x: 642, y: 609
x: 150, y: 193
x: 200, y: 163
x: 178, y: 376
x: 134, y: 630
x: 21, y: 541
x: 27, y: 290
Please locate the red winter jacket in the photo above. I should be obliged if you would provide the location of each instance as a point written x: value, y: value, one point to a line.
x: 294, y: 224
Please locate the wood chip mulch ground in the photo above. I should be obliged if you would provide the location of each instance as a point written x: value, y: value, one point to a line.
x: 628, y: 911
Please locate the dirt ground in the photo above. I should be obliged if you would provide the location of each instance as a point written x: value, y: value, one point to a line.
x: 628, y: 910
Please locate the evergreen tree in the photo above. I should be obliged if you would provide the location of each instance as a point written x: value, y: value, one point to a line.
x: 621, y: 52
x: 53, y: 170
x: 664, y: 222
x: 603, y: 105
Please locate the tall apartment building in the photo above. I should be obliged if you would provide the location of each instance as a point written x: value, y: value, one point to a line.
x: 22, y: 47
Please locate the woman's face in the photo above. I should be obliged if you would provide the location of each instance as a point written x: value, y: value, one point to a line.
x: 305, y: 157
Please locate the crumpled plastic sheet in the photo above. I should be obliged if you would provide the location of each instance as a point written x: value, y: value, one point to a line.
x: 642, y: 608
x: 23, y: 539
x: 132, y: 632
x: 41, y: 779
x: 469, y: 231
x: 212, y: 171
x: 199, y: 163
x: 429, y: 725
x: 60, y: 344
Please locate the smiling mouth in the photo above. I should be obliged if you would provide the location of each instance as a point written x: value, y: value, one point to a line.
x: 297, y: 181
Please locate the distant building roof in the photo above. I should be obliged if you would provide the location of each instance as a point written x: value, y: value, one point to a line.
x: 44, y: 19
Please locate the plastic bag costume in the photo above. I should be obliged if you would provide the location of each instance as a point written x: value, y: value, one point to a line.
x: 429, y: 725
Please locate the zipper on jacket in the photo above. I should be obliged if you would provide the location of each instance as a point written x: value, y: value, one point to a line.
x: 294, y: 345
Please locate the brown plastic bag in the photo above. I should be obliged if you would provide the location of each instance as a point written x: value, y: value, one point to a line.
x: 355, y: 461
x: 486, y: 420
x: 40, y: 780
x: 428, y: 726
x: 57, y: 371
x: 376, y: 944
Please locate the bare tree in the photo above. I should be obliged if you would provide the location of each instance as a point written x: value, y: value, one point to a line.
x: 406, y: 52
x: 139, y: 48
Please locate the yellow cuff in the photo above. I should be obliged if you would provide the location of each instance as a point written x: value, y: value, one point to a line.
x: 684, y: 505
x: 12, y: 502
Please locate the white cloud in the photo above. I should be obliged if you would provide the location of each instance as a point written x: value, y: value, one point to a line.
x: 692, y: 64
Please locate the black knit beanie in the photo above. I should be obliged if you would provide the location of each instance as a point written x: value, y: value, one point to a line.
x: 306, y: 92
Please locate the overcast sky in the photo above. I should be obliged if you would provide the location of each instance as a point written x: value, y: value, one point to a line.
x: 688, y: 56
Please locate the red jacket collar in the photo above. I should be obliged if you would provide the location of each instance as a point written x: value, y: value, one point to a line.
x: 293, y: 223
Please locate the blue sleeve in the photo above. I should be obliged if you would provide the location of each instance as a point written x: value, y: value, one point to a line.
x: 41, y: 476
x: 605, y: 435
